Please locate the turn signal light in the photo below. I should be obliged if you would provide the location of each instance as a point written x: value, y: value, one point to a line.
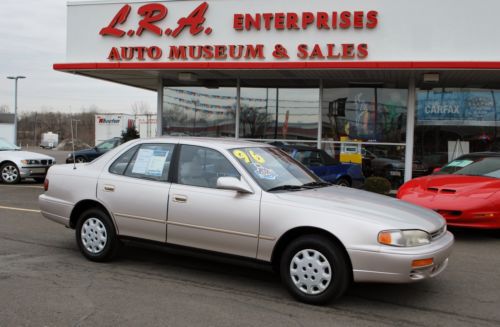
x: 422, y: 263
x: 385, y: 238
x: 484, y: 215
x: 46, y: 184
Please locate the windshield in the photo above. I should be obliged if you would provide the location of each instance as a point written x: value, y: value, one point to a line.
x: 272, y: 168
x: 4, y: 145
x: 480, y: 166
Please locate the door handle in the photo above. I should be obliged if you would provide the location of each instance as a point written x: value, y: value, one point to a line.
x: 180, y: 198
x: 109, y: 188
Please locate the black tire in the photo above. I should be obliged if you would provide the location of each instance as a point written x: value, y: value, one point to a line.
x: 343, y: 182
x: 80, y: 159
x: 39, y: 179
x: 336, y: 259
x: 9, y: 173
x: 92, y: 221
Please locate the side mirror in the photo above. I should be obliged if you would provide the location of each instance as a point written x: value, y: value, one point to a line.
x: 232, y: 183
x: 436, y: 170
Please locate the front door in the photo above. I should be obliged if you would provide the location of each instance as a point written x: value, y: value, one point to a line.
x: 135, y: 189
x: 202, y: 216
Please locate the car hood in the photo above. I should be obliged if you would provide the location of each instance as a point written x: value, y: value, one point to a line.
x: 23, y: 155
x: 458, y: 184
x: 387, y: 212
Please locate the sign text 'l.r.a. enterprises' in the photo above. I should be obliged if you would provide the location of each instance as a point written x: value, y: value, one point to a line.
x: 152, y: 14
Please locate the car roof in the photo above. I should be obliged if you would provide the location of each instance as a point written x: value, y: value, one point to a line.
x: 481, y: 154
x: 221, y: 143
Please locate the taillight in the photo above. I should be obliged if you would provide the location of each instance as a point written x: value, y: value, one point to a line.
x: 46, y: 184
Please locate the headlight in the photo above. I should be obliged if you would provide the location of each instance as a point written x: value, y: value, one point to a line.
x: 30, y: 162
x: 404, y: 238
x: 69, y: 155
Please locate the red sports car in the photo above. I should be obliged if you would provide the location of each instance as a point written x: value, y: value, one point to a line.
x: 466, y: 192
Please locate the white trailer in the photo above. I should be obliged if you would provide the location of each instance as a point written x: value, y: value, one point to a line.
x: 49, y: 140
x: 108, y: 126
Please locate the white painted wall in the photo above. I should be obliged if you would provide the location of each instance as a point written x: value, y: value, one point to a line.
x: 408, y: 30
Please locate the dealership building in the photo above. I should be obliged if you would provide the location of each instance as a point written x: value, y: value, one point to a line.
x: 415, y: 83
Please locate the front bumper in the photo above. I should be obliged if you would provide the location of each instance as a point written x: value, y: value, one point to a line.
x: 33, y: 171
x: 394, y: 265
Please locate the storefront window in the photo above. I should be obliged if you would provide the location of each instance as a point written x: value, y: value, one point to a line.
x: 364, y: 114
x: 199, y: 111
x: 455, y: 121
x: 279, y: 113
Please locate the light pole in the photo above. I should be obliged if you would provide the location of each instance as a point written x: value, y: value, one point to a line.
x: 15, y: 78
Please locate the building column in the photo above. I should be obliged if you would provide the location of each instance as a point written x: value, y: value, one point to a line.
x: 410, y: 127
x: 238, y: 110
x: 320, y: 114
x: 159, y: 109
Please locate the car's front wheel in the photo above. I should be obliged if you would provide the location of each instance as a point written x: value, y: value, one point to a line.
x: 96, y: 236
x: 80, y: 160
x: 9, y: 173
x: 314, y: 269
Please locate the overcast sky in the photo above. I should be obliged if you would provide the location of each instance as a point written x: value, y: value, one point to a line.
x: 32, y: 39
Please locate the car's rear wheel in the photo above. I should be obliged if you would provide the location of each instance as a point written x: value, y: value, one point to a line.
x: 314, y: 269
x: 96, y: 236
x: 9, y: 173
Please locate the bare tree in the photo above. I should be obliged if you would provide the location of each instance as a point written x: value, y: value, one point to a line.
x: 140, y: 108
x: 4, y: 109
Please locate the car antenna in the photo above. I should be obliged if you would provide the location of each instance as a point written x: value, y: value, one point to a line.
x: 73, y: 144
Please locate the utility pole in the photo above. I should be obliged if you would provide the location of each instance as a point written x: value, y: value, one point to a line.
x: 15, y: 78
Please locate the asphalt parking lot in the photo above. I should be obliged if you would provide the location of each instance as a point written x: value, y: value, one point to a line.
x: 44, y: 281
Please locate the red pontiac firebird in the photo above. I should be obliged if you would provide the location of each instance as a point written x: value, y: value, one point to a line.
x: 466, y: 192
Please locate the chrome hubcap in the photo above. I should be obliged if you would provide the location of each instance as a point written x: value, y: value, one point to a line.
x: 9, y: 173
x: 310, y: 271
x: 94, y: 235
x: 80, y: 160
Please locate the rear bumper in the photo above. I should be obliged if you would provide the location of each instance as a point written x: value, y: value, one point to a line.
x: 55, y: 209
x: 394, y: 265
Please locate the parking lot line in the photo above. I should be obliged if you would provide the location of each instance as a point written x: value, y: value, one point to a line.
x: 23, y: 186
x: 19, y: 209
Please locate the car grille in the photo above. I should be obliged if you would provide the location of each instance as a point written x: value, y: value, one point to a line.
x: 437, y: 234
x: 46, y: 162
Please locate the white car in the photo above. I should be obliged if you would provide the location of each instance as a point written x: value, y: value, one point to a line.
x: 16, y: 165
x: 250, y: 200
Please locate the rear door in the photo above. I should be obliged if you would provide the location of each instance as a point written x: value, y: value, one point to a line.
x: 135, y: 188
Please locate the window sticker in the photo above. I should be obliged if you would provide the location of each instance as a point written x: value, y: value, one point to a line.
x: 263, y: 172
x: 460, y: 163
x: 150, y: 162
x: 246, y: 157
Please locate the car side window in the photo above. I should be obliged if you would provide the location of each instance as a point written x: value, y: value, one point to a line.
x: 118, y: 167
x: 151, y: 162
x: 105, y: 146
x: 202, y: 167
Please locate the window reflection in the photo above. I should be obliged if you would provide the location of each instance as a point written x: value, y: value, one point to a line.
x: 278, y: 113
x: 364, y: 114
x: 199, y: 111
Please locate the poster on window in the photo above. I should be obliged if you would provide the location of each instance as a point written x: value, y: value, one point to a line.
x: 471, y: 108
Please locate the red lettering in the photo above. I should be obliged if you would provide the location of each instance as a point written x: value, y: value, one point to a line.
x: 302, y: 51
x: 220, y: 52
x: 152, y: 13
x: 334, y: 19
x: 345, y: 19
x: 358, y: 19
x: 316, y: 52
x: 372, y: 19
x: 238, y: 22
x: 232, y: 51
x: 279, y: 21
x: 195, y: 21
x: 267, y: 20
x: 114, y: 54
x: 140, y: 52
x: 251, y: 22
x: 362, y: 50
x: 127, y: 53
x: 331, y: 52
x: 154, y: 52
x: 119, y: 18
x: 254, y: 51
x: 307, y: 19
x: 177, y: 52
x: 192, y: 52
x: 347, y: 51
x: 322, y: 21
x: 208, y: 52
x: 292, y: 20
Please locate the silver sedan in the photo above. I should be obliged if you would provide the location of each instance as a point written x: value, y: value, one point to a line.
x: 249, y: 200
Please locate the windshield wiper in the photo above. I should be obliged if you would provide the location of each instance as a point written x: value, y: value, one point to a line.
x: 317, y: 184
x: 286, y: 188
